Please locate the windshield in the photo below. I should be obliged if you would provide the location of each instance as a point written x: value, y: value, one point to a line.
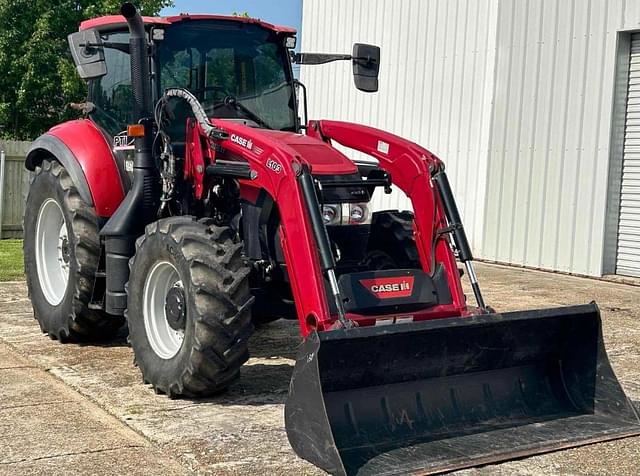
x: 236, y: 70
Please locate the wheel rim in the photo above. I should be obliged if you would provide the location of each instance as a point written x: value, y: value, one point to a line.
x: 164, y: 340
x: 52, y: 252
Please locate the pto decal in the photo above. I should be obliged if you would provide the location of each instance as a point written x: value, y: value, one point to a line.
x: 387, y: 288
x: 123, y: 142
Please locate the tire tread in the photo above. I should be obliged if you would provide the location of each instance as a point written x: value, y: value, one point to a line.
x: 220, y: 338
x: 83, y: 323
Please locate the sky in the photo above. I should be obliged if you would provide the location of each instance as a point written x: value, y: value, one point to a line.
x: 280, y: 12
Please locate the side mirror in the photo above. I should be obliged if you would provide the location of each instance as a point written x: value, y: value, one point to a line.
x: 366, y: 66
x: 88, y: 54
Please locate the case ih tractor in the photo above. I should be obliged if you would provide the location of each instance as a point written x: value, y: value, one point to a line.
x: 192, y: 202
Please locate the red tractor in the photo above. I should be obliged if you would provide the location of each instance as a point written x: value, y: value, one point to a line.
x: 192, y: 202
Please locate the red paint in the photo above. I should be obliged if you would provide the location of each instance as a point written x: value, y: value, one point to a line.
x: 249, y: 193
x: 387, y: 288
x: 114, y: 22
x: 320, y: 156
x: 198, y: 147
x: 409, y: 166
x: 437, y: 312
x: 93, y: 153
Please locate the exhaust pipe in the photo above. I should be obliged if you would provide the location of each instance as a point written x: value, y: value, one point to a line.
x: 138, y: 46
x: 141, y: 203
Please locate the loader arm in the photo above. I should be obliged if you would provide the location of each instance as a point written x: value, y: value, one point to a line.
x: 277, y: 167
x: 411, y: 168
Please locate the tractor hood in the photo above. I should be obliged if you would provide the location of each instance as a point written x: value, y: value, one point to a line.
x: 321, y: 157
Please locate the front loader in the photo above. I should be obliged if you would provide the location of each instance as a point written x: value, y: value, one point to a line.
x: 192, y: 202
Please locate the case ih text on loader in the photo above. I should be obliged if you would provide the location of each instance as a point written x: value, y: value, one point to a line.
x: 192, y: 203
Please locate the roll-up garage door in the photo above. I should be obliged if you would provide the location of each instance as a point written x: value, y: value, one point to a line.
x: 628, y: 254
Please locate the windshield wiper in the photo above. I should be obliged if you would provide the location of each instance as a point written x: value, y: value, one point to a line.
x: 233, y: 102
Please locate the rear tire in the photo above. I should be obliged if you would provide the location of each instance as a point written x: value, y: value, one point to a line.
x: 194, y: 348
x: 61, y: 255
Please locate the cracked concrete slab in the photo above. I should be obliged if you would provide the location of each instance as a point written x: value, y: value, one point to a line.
x: 47, y: 428
x: 241, y: 432
x: 126, y: 460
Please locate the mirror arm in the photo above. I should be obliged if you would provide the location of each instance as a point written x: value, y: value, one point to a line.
x: 300, y: 85
x: 322, y: 58
x: 318, y: 58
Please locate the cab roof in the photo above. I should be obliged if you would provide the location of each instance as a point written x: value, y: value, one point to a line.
x: 113, y: 22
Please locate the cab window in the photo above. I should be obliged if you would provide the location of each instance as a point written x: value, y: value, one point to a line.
x: 112, y: 94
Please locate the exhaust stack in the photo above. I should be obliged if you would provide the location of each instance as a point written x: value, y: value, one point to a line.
x: 138, y: 47
x: 141, y: 203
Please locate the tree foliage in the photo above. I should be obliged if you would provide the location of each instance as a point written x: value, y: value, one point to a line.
x: 38, y: 78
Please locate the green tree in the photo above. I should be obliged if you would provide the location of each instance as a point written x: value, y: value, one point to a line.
x: 38, y: 78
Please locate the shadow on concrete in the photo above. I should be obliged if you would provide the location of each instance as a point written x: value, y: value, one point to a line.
x: 259, y: 384
x: 119, y: 340
x: 279, y: 339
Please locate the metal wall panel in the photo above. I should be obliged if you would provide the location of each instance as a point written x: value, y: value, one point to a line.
x: 551, y: 126
x: 517, y: 96
x: 436, y: 81
x: 628, y: 243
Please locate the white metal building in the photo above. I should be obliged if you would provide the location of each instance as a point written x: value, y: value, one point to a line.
x: 534, y: 105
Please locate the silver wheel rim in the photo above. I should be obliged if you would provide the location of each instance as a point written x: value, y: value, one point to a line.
x: 164, y: 340
x: 52, y: 252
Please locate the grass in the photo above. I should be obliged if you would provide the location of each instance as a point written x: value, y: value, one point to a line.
x: 11, y: 264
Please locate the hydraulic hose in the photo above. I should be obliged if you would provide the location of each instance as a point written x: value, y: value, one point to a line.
x: 196, y: 107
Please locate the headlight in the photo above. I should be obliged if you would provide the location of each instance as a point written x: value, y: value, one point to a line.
x: 346, y: 214
x: 331, y: 214
x: 358, y: 214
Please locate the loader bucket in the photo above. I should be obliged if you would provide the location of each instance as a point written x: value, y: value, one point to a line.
x: 440, y: 395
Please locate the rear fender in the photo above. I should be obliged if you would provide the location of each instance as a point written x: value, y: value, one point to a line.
x: 85, y: 154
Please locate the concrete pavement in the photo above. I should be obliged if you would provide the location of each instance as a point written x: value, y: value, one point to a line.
x: 242, y: 431
x: 48, y: 428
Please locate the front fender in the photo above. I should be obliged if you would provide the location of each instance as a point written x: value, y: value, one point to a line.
x: 85, y: 154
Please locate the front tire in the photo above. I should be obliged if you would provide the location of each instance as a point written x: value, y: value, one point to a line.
x: 188, y: 307
x: 61, y: 255
x: 391, y: 243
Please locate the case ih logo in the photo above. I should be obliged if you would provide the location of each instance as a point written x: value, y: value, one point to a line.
x: 387, y: 288
x: 246, y: 143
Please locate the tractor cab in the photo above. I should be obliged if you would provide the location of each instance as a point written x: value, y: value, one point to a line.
x: 238, y: 68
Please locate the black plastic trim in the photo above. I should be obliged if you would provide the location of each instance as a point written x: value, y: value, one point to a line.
x: 50, y: 144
